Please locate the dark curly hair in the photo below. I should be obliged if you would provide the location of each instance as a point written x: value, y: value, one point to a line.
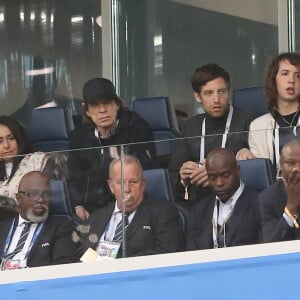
x: 270, y: 79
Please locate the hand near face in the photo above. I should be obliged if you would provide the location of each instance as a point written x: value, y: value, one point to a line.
x: 292, y: 185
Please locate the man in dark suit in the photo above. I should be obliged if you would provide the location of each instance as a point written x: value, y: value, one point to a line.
x: 280, y: 203
x: 230, y: 217
x: 154, y: 227
x: 33, y: 238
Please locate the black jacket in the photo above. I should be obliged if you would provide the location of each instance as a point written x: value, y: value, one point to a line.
x: 243, y: 227
x: 88, y: 168
x: 54, y: 244
x: 155, y: 228
x: 272, y: 202
x: 189, y: 148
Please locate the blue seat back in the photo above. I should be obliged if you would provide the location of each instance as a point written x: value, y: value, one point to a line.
x: 49, y: 130
x: 257, y: 174
x: 158, y: 184
x: 60, y: 201
x: 160, y: 115
x: 251, y: 99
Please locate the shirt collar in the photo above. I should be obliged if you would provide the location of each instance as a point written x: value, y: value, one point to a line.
x: 21, y: 220
x: 116, y: 210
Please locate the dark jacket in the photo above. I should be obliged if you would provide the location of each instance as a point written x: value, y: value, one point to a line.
x: 189, y: 148
x: 272, y: 202
x: 88, y: 168
x: 54, y: 244
x: 242, y: 228
x: 155, y: 228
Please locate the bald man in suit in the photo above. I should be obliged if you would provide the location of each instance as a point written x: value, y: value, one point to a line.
x: 154, y: 226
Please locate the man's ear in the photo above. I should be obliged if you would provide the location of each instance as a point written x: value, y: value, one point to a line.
x: 197, y: 97
x: 110, y: 184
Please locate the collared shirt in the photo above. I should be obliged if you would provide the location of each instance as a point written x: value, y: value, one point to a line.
x: 226, y: 208
x: 222, y: 214
x: 111, y: 226
x: 16, y: 236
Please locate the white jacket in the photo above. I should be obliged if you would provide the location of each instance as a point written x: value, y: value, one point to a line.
x: 261, y: 137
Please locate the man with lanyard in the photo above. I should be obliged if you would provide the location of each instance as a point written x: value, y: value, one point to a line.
x: 221, y: 125
x: 33, y: 238
x: 152, y: 226
x: 229, y: 217
x: 280, y: 203
x: 282, y: 87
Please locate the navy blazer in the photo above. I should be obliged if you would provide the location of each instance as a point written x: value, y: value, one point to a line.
x: 54, y: 244
x: 242, y: 228
x: 272, y: 202
x: 155, y: 228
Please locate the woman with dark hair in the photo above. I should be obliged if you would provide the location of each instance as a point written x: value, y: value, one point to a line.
x: 271, y: 131
x: 16, y: 158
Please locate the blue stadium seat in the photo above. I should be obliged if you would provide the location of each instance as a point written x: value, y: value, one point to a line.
x: 160, y: 114
x: 251, y: 99
x: 59, y: 204
x: 257, y: 174
x: 158, y: 185
x: 49, y: 130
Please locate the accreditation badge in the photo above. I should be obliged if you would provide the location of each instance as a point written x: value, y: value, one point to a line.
x: 10, y: 264
x: 108, y: 250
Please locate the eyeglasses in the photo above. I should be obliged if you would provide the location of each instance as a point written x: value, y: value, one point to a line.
x: 35, y: 195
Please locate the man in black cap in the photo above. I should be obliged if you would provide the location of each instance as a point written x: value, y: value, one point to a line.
x: 106, y: 122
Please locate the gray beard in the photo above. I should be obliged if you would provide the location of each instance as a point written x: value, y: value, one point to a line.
x: 37, y: 219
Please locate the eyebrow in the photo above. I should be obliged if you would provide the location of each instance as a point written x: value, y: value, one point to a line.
x: 287, y: 70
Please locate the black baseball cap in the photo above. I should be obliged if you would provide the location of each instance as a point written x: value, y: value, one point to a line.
x: 98, y: 89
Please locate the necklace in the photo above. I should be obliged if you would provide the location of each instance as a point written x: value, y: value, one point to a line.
x: 287, y: 122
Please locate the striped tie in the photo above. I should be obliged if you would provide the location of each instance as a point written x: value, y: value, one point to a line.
x: 21, y: 241
x: 119, y: 231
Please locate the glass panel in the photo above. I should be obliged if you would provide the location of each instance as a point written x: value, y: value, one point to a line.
x: 79, y: 177
x: 163, y: 41
x: 296, y: 10
x: 49, y: 49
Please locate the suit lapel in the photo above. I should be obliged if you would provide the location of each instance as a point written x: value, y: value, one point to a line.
x: 99, y: 223
x: 205, y: 240
x: 4, y: 230
x: 138, y: 218
x: 241, y: 208
x: 42, y: 235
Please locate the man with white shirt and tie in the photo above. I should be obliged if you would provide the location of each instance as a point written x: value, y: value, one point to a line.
x: 229, y: 217
x: 152, y: 226
x: 34, y: 238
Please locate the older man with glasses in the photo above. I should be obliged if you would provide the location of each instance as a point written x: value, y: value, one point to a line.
x: 33, y: 238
